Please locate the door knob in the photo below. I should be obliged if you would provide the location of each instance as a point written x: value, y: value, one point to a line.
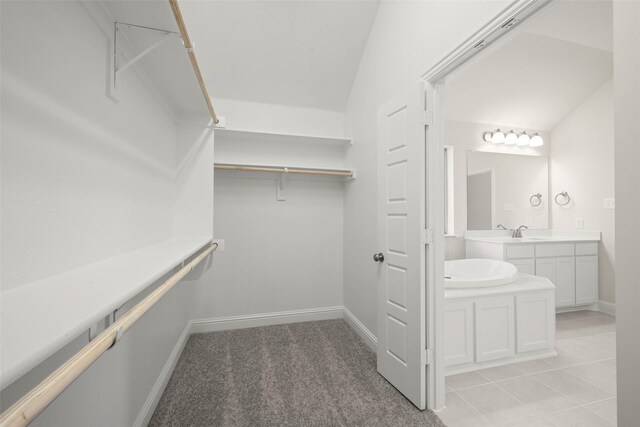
x: 378, y: 257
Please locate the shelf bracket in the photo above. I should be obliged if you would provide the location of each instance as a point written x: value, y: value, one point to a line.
x: 281, y: 193
x: 109, y: 319
x: 116, y: 68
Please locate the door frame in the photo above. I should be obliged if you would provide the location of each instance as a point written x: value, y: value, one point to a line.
x: 433, y: 84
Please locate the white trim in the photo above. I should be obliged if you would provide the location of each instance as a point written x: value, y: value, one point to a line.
x: 149, y: 407
x: 369, y: 338
x: 570, y: 308
x: 449, y: 194
x: 489, y: 33
x: 607, y: 307
x: 264, y: 319
x: 471, y: 367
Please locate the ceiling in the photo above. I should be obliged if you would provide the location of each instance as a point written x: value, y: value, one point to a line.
x: 587, y: 23
x: 296, y: 53
x: 540, y: 74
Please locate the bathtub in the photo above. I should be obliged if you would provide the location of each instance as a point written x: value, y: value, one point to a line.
x: 495, y: 316
x: 478, y: 273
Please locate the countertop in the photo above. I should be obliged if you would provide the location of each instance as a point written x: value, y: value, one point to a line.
x: 532, y: 236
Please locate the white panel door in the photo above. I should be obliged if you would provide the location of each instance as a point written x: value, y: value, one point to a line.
x: 586, y: 279
x: 535, y: 324
x: 401, y: 256
x: 458, y: 323
x: 495, y: 335
x: 561, y: 272
x: 565, y: 280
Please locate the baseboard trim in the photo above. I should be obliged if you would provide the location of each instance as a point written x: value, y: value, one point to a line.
x: 592, y: 307
x: 369, y: 339
x: 149, y: 407
x: 265, y: 319
x: 607, y: 307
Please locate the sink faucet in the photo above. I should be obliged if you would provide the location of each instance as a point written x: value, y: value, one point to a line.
x: 501, y: 227
x: 517, y: 233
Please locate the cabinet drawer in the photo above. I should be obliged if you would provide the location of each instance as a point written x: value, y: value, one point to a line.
x: 587, y: 248
x: 519, y: 251
x: 554, y: 249
x: 524, y: 265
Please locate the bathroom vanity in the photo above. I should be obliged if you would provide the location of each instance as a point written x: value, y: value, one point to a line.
x: 569, y: 261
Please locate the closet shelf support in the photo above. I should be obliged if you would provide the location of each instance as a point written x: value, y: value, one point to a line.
x: 116, y: 68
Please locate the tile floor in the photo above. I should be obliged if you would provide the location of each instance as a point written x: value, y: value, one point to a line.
x: 577, y: 388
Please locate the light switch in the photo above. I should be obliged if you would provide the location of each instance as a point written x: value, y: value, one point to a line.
x: 508, y: 207
x: 579, y: 223
x: 609, y: 203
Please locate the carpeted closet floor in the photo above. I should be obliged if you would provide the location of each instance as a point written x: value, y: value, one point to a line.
x: 301, y: 374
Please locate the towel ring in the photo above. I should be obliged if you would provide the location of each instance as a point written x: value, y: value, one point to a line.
x: 536, y: 199
x: 566, y: 197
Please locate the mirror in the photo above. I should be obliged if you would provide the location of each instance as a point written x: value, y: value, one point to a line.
x: 507, y: 189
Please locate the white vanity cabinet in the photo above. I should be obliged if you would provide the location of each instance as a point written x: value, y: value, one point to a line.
x: 572, y: 266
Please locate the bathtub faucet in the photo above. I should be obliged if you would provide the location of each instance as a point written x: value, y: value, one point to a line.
x: 517, y: 233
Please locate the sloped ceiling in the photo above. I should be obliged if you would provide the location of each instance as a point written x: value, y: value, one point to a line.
x: 535, y: 78
x: 296, y: 53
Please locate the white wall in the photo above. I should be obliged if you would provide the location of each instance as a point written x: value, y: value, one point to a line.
x: 582, y: 163
x: 279, y: 255
x: 253, y: 116
x: 193, y: 206
x: 626, y: 16
x: 85, y: 178
x: 407, y: 38
x: 71, y: 157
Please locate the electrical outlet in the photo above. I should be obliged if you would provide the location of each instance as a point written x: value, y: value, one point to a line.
x: 609, y: 203
x: 579, y: 223
x: 220, y: 243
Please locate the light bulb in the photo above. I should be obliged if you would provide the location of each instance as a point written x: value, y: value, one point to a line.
x: 523, y: 139
x: 487, y: 136
x: 511, y: 138
x: 498, y: 137
x: 536, y: 141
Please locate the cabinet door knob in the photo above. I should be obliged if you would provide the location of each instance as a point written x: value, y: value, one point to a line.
x: 378, y: 257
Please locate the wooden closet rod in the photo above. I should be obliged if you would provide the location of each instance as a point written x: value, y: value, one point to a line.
x: 282, y: 170
x: 186, y: 40
x: 27, y: 409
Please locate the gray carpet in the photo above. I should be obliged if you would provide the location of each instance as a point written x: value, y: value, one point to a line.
x: 301, y: 374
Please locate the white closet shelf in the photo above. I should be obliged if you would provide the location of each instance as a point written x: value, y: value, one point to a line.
x: 41, y: 317
x: 270, y: 137
x: 305, y: 170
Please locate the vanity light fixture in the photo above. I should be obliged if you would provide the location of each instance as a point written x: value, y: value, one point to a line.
x: 536, y: 141
x: 511, y: 138
x: 498, y: 137
x: 523, y: 139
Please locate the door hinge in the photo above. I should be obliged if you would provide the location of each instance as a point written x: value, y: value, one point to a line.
x: 428, y: 117
x: 427, y: 357
x: 427, y: 236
